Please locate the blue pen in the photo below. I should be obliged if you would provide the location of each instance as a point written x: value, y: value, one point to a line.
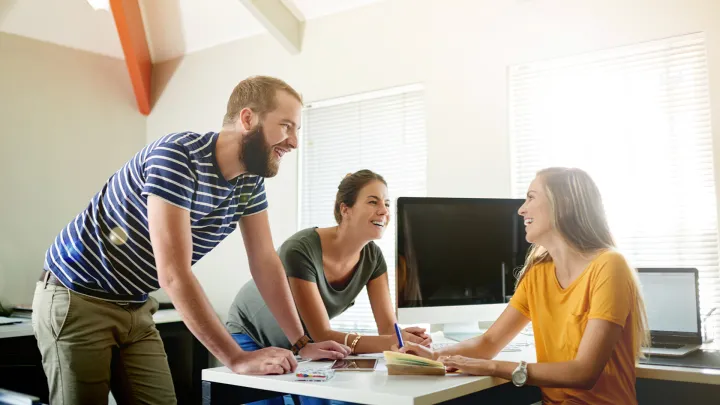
x: 399, y: 336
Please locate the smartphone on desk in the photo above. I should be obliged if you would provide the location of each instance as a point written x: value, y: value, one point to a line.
x: 355, y: 365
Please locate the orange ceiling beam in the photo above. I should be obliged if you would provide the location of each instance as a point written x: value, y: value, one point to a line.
x: 131, y: 30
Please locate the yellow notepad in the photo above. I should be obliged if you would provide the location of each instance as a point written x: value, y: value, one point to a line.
x: 403, y: 364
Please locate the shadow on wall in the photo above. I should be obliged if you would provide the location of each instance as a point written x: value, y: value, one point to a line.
x: 6, y: 7
x: 166, y: 40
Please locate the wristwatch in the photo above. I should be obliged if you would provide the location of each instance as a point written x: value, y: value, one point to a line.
x: 302, y: 342
x: 519, y: 376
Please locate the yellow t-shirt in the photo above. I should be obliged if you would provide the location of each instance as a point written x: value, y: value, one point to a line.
x: 605, y: 290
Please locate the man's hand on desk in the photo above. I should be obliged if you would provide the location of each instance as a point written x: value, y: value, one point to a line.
x: 270, y: 360
x: 324, y: 350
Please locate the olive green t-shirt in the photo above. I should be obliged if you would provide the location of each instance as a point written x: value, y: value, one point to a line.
x: 301, y: 256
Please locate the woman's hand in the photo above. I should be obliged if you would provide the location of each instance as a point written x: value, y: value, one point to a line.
x: 416, y: 349
x: 416, y: 335
x: 467, y: 365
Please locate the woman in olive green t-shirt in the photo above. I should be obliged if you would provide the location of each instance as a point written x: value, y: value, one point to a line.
x: 327, y: 268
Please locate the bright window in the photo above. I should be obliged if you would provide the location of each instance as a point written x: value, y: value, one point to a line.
x: 637, y: 118
x: 382, y: 131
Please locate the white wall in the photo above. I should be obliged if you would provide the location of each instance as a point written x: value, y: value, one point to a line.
x: 460, y: 50
x: 68, y: 121
x: 369, y: 48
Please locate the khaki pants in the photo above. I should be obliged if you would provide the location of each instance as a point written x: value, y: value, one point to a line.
x: 90, y: 347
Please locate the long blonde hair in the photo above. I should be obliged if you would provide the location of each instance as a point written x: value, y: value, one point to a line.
x: 577, y: 212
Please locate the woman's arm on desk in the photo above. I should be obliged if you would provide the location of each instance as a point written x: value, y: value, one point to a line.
x: 485, y: 346
x: 379, y: 295
x: 595, y: 349
x: 314, y: 315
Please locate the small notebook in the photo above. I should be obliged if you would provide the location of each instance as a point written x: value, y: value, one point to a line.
x: 405, y: 364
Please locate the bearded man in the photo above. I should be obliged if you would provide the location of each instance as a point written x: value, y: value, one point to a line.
x: 164, y: 210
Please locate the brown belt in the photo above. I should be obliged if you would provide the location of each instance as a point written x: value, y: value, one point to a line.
x: 49, y: 278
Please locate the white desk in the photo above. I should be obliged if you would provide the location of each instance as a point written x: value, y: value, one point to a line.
x: 678, y: 374
x: 25, y: 327
x: 379, y: 388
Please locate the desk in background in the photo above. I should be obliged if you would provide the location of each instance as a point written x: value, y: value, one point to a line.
x: 21, y: 367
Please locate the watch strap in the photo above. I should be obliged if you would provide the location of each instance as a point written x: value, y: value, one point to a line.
x: 302, y: 342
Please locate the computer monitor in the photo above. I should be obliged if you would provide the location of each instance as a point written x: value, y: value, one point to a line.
x: 456, y: 258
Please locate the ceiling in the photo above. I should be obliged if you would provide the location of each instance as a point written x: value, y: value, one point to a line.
x: 173, y: 27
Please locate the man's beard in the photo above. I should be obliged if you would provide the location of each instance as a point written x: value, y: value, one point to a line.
x: 256, y: 154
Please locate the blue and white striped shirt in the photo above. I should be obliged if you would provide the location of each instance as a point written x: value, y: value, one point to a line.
x: 105, y: 252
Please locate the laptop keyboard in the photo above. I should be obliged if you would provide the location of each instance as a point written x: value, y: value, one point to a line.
x: 666, y: 346
x: 511, y: 347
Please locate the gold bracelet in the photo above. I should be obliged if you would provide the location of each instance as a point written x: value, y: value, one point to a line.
x: 348, y: 334
x: 354, y: 343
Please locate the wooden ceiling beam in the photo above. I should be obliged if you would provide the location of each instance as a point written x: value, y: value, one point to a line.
x: 131, y: 30
x: 280, y: 21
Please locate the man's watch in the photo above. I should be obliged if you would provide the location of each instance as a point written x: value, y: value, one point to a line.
x: 302, y: 342
x: 519, y: 376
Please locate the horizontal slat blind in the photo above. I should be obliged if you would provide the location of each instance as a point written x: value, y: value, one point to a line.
x: 637, y: 118
x: 381, y: 131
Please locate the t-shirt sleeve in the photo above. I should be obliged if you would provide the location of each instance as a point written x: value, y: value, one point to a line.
x: 380, y: 265
x: 258, y: 200
x: 169, y: 175
x: 519, y: 299
x: 612, y: 292
x: 297, y: 261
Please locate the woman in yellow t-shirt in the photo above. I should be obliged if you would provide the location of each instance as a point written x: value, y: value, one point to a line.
x: 583, y: 299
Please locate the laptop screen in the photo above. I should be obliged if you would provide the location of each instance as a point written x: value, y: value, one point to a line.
x: 671, y: 301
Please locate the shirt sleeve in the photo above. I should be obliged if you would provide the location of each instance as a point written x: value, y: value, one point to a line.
x: 297, y: 262
x: 258, y: 200
x: 380, y: 266
x: 169, y: 175
x: 612, y: 292
x: 519, y: 299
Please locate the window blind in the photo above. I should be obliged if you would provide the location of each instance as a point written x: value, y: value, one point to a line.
x: 383, y: 131
x: 637, y: 119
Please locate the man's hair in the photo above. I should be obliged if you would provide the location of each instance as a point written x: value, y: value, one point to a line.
x: 258, y: 93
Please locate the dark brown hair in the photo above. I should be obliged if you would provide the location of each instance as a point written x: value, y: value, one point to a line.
x: 350, y: 187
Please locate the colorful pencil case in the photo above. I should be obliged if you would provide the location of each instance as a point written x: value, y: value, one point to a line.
x: 322, y: 374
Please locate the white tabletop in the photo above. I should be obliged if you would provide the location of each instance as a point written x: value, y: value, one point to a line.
x: 379, y: 388
x: 25, y: 327
x: 679, y: 374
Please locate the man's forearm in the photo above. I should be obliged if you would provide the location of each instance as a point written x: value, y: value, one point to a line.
x: 191, y: 302
x: 274, y: 288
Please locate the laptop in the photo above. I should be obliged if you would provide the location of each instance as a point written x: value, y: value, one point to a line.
x: 673, y: 308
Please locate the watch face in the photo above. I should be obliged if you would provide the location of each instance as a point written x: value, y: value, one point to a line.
x: 519, y: 378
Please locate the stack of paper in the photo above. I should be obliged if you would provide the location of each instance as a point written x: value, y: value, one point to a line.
x: 403, y: 363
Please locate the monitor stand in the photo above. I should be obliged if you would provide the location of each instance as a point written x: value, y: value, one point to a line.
x: 465, y: 330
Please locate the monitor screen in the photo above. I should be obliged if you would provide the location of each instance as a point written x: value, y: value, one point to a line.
x: 671, y: 300
x: 458, y: 251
